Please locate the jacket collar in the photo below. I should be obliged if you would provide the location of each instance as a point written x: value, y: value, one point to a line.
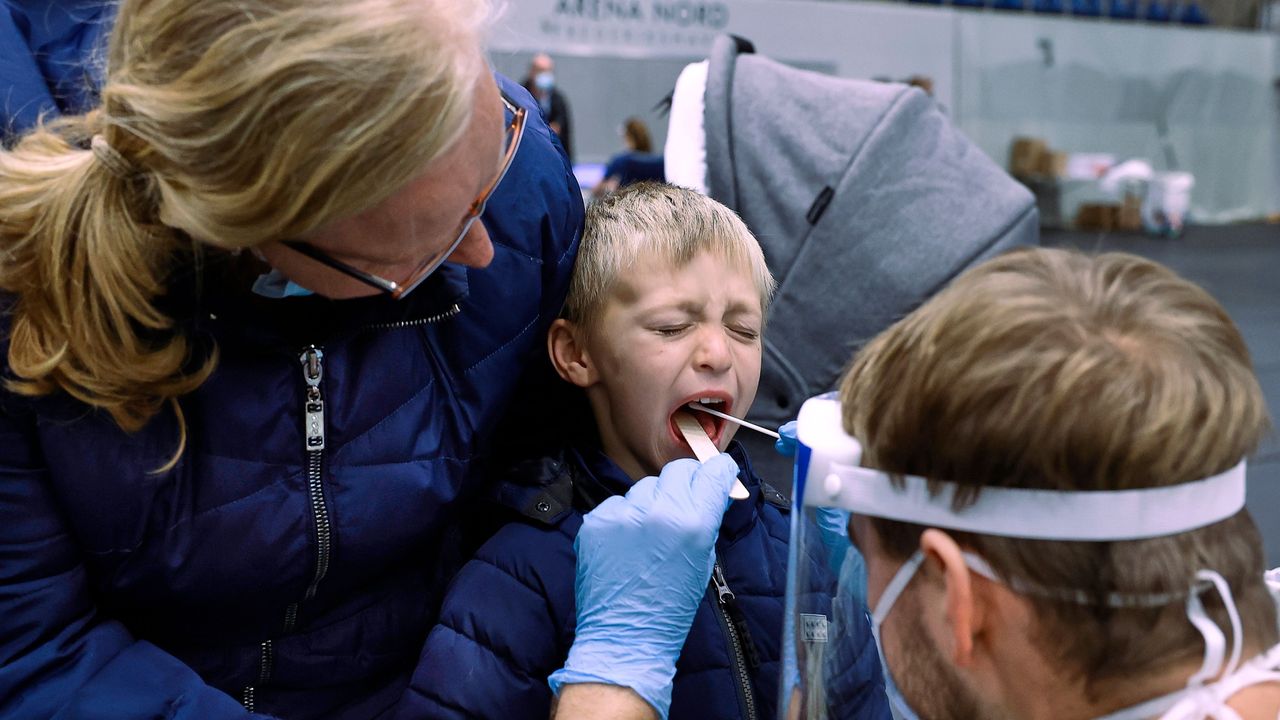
x: 219, y: 300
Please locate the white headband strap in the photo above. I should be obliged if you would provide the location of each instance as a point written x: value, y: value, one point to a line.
x: 1097, y: 516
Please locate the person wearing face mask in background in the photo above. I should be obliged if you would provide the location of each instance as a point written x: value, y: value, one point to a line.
x: 541, y: 84
x: 262, y: 309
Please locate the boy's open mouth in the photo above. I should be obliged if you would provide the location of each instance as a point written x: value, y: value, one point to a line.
x: 713, y: 426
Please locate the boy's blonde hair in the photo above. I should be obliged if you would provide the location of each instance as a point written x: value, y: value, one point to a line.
x: 230, y: 122
x: 1051, y: 369
x: 651, y: 219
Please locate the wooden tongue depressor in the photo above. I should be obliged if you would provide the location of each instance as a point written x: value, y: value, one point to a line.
x: 704, y: 448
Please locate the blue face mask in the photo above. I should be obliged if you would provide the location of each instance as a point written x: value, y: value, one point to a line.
x: 544, y: 81
x: 275, y: 285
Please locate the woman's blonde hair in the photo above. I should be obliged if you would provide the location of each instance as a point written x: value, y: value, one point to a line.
x: 1052, y: 369
x: 230, y: 122
x: 652, y: 219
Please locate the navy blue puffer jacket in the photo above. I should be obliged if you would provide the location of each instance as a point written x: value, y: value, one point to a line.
x: 509, y: 617
x: 293, y: 569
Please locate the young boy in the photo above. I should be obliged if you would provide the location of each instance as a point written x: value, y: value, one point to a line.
x: 666, y: 308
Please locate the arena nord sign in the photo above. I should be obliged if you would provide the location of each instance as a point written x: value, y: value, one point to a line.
x: 672, y: 13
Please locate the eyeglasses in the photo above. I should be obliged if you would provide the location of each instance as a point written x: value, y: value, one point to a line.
x: 511, y: 143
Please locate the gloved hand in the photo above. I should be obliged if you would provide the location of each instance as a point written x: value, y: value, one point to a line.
x: 644, y: 561
x: 786, y: 444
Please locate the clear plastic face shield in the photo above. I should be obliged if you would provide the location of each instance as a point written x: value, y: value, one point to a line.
x: 830, y: 630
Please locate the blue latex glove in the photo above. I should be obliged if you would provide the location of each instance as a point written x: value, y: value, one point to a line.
x: 644, y: 561
x: 786, y: 444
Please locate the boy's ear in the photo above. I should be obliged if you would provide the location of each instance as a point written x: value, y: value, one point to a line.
x: 569, y: 353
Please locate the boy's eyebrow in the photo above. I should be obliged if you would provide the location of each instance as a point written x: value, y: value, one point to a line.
x: 748, y: 307
x: 685, y: 306
x: 690, y: 307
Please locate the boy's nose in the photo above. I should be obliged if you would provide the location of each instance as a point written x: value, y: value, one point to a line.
x: 713, y: 353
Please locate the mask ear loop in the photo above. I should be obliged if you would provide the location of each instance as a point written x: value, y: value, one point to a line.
x: 1215, y: 642
x: 895, y: 588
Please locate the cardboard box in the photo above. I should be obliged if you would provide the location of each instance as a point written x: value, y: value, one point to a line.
x: 1025, y: 156
x: 1129, y: 216
x: 1097, y: 216
x: 1053, y: 164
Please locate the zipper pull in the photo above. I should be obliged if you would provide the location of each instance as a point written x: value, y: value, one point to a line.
x: 733, y: 614
x: 722, y: 586
x: 312, y: 360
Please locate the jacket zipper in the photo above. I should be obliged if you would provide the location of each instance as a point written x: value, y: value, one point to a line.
x: 266, y: 657
x: 730, y: 623
x: 312, y: 360
x: 445, y: 314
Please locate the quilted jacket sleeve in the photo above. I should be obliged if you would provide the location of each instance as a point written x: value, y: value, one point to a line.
x: 59, y: 656
x: 48, y: 59
x: 856, y: 686
x: 503, y: 630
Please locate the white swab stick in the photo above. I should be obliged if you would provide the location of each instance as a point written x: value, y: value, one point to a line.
x: 705, y: 449
x: 730, y: 418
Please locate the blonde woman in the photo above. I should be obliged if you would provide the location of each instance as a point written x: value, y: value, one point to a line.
x: 244, y: 392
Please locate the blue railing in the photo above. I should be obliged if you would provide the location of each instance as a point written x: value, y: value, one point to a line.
x: 1187, y: 12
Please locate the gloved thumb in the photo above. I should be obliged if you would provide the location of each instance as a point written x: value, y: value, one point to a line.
x: 786, y: 444
x: 712, y: 483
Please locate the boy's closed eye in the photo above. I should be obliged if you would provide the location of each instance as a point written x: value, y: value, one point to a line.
x: 672, y: 330
x: 746, y: 333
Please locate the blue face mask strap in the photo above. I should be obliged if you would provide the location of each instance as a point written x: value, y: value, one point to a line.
x: 895, y: 587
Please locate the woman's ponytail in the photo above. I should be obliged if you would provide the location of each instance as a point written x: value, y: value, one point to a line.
x: 82, y: 251
x: 233, y: 123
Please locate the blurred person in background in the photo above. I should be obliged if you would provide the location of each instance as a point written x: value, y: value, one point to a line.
x: 541, y: 84
x: 637, y: 163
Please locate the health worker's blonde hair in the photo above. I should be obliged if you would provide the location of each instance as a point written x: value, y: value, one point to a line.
x: 227, y: 122
x: 656, y: 220
x: 1055, y: 370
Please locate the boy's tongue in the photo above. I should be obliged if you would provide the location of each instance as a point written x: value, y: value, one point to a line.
x: 705, y: 420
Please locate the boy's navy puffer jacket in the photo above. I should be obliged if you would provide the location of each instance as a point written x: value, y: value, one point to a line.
x: 509, y: 617
x: 264, y: 567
